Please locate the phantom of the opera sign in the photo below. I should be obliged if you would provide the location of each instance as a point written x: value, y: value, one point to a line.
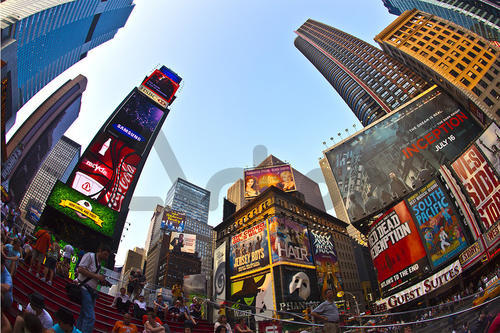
x: 249, y: 250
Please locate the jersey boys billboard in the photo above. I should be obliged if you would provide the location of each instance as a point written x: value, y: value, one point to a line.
x: 388, y: 160
x: 249, y: 249
x: 396, y: 249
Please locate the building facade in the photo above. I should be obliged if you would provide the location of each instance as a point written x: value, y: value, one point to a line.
x: 57, y: 166
x: 461, y: 62
x: 481, y: 17
x: 370, y: 82
x: 31, y: 143
x: 41, y: 39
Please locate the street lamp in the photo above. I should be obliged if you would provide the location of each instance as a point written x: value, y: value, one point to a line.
x: 341, y: 294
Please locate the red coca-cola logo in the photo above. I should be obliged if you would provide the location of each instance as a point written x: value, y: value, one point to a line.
x: 115, y: 196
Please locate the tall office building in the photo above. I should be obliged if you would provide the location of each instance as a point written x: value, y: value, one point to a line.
x: 31, y: 143
x: 57, y: 166
x: 463, y: 63
x: 42, y: 38
x: 370, y: 82
x: 194, y: 201
x: 480, y: 16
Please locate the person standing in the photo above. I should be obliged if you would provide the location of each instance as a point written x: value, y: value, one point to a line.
x: 39, y: 250
x: 89, y: 277
x: 67, y: 254
x: 328, y: 313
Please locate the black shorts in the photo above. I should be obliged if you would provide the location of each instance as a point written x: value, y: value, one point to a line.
x: 130, y: 288
x: 50, y: 263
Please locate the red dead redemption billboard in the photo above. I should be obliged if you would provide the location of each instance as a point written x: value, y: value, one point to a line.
x: 389, y: 159
x: 481, y: 184
x: 396, y: 249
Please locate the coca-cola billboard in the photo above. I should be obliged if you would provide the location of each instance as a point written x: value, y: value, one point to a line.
x: 106, y: 171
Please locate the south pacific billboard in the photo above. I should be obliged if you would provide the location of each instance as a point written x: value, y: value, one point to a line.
x: 438, y: 222
x: 388, y: 160
x: 396, y: 249
x: 326, y: 261
x: 173, y: 220
x: 289, y: 241
x: 259, y: 179
x: 253, y: 293
x: 249, y: 250
x: 481, y: 184
x: 181, y: 242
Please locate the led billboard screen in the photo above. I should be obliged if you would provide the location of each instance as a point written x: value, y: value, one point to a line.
x: 173, y: 220
x: 253, y: 293
x: 181, y: 242
x: 289, y: 241
x: 396, y: 249
x: 258, y: 180
x: 106, y: 171
x: 481, y: 184
x: 400, y: 153
x: 82, y: 209
x: 161, y: 85
x: 249, y: 250
x: 136, y: 120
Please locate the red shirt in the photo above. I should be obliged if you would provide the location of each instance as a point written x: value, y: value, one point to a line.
x: 42, y: 242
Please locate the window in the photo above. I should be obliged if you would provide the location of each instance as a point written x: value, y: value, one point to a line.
x: 435, y: 42
x: 455, y: 37
x: 466, y: 60
x: 488, y: 76
x: 460, y: 66
x: 461, y: 48
x: 453, y: 73
x: 465, y: 81
x: 477, y: 49
x: 480, y: 43
x: 487, y: 55
x: 433, y: 59
x: 477, y: 68
x: 494, y: 94
x: 423, y: 53
x: 446, y: 32
x: 444, y: 47
x: 472, y: 54
x: 450, y: 60
x: 488, y: 101
x: 483, y: 84
x: 443, y: 65
x: 476, y: 91
x: 439, y: 53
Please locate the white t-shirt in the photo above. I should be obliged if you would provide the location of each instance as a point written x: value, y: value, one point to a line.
x: 44, y: 317
x: 88, y: 262
x: 228, y: 327
x: 142, y: 305
x: 124, y: 299
x: 68, y: 251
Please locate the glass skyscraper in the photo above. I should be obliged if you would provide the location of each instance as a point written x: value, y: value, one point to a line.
x: 481, y: 17
x: 370, y: 82
x: 42, y: 38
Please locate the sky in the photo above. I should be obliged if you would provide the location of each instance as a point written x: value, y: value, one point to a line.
x: 246, y: 89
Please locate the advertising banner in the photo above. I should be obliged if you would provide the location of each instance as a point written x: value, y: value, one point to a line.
x: 162, y: 87
x: 258, y: 180
x: 296, y: 288
x: 492, y: 236
x: 420, y: 289
x: 136, y: 120
x: 82, y: 209
x: 173, y: 220
x: 220, y: 272
x: 326, y: 260
x: 180, y: 242
x: 253, y: 293
x: 289, y: 241
x: 106, y: 172
x: 249, y: 250
x: 194, y: 285
x: 386, y: 161
x: 396, y: 249
x: 489, y: 143
x: 481, y: 184
x: 438, y: 223
x: 471, y: 254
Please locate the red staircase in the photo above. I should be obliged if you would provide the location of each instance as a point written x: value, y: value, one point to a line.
x: 26, y: 283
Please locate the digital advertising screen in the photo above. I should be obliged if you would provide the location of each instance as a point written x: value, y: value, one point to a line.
x: 106, y: 171
x: 173, y: 220
x: 481, y: 185
x: 388, y: 160
x: 249, y: 250
x: 326, y: 260
x: 289, y: 241
x: 296, y: 288
x: 396, y: 249
x: 136, y: 120
x: 438, y: 222
x: 220, y: 272
x: 253, y: 293
x: 82, y: 209
x: 161, y: 85
x: 258, y: 180
x: 181, y: 242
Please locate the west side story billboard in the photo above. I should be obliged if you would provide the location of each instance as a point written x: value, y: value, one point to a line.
x: 396, y: 155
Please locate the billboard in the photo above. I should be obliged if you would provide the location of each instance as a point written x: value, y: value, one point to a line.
x: 136, y: 120
x: 289, y: 241
x: 481, y: 184
x: 160, y: 87
x: 296, y: 288
x: 438, y: 223
x: 220, y: 272
x: 181, y: 242
x: 253, y: 293
x: 82, y: 209
x: 326, y: 260
x: 173, y: 220
x: 399, y: 153
x: 396, y: 249
x: 489, y: 143
x: 249, y: 250
x: 258, y: 180
x: 106, y: 171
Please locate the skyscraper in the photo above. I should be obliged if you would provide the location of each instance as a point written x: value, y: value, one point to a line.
x: 42, y: 38
x: 57, y: 166
x: 479, y: 16
x: 370, y: 82
x: 463, y: 63
x: 193, y: 200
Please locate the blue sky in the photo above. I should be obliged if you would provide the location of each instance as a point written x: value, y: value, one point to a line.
x: 245, y: 84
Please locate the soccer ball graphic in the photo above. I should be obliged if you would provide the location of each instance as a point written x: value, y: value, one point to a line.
x: 84, y: 204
